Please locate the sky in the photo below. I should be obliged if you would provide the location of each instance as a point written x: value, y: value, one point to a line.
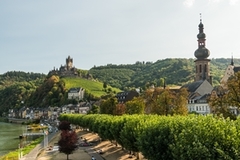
x: 36, y: 36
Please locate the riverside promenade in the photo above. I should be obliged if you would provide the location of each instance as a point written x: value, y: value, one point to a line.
x: 34, y: 154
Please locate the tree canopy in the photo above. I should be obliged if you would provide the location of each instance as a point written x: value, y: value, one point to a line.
x: 68, y: 141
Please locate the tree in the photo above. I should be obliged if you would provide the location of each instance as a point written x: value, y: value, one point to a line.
x: 219, y: 102
x: 227, y: 97
x: 233, y: 85
x: 108, y: 106
x: 135, y: 106
x: 94, y: 110
x: 181, y: 102
x: 166, y: 101
x: 119, y: 109
x: 161, y: 82
x: 104, y: 85
x: 68, y: 142
x: 64, y: 125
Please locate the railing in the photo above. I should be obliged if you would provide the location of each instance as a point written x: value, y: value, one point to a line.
x: 33, y: 134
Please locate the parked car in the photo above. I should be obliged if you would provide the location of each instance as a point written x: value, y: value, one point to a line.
x: 85, y: 144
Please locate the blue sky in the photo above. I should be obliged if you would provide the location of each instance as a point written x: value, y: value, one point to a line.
x: 36, y: 36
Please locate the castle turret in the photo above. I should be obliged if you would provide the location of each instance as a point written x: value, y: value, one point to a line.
x: 69, y: 63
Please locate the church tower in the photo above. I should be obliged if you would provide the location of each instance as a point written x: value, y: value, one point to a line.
x: 202, y: 64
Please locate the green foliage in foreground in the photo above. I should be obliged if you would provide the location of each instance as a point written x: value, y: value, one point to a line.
x: 14, y: 154
x: 165, y: 137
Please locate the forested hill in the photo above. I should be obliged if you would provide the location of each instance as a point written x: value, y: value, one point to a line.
x: 16, y: 87
x: 11, y: 77
x: 175, y: 71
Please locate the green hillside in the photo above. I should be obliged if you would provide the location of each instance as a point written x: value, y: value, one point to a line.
x: 176, y: 71
x: 94, y: 87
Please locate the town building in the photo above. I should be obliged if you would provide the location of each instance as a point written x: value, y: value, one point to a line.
x: 230, y: 71
x: 76, y: 93
x: 123, y: 97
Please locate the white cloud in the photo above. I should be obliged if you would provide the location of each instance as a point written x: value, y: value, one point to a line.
x: 214, y: 1
x: 188, y: 3
x: 233, y: 2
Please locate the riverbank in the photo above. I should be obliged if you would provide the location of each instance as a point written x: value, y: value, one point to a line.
x: 9, y: 137
x: 19, y: 121
x: 109, y: 150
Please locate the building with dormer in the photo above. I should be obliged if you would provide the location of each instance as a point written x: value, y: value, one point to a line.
x: 76, y: 93
x: 123, y: 97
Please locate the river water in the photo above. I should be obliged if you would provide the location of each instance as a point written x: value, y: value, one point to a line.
x: 9, y: 136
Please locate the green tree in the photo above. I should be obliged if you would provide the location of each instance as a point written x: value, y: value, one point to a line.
x: 108, y: 106
x: 165, y: 101
x: 135, y: 106
x: 219, y: 102
x: 233, y: 85
x: 180, y: 102
x: 94, y: 110
x: 104, y: 85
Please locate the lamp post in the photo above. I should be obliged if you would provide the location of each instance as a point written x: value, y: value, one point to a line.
x: 45, y: 140
x: 19, y: 152
x: 20, y: 147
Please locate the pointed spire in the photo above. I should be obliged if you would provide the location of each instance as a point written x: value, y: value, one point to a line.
x: 200, y: 17
x: 200, y: 25
x: 232, y: 63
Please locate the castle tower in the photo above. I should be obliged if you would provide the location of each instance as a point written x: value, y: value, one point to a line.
x: 202, y: 64
x: 69, y: 63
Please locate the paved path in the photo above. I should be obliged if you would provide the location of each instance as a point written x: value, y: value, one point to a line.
x: 32, y: 155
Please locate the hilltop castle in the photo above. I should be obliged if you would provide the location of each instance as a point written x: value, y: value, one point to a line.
x: 67, y: 70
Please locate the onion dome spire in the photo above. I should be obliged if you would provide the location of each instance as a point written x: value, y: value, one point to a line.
x: 201, y: 52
